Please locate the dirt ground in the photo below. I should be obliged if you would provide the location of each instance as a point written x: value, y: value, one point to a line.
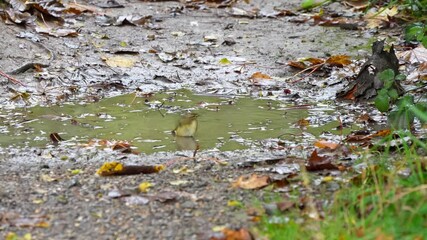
x: 38, y: 187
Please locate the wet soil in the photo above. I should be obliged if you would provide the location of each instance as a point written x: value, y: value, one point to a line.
x: 39, y: 185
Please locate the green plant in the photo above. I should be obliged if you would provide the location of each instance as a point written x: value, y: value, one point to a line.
x: 415, y: 8
x: 405, y: 109
x: 416, y: 32
x: 388, y: 94
x: 378, y: 203
x: 310, y: 4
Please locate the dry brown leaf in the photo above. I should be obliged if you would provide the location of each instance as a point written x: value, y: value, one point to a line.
x: 376, y: 19
x: 297, y: 64
x: 259, y: 75
x: 326, y: 144
x: 123, y: 147
x: 338, y: 60
x: 381, y: 133
x: 318, y: 163
x: 302, y: 123
x: 238, y: 234
x: 252, y: 182
x: 315, y: 61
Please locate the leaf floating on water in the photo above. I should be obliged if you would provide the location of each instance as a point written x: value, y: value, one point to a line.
x: 116, y: 168
x: 302, y: 123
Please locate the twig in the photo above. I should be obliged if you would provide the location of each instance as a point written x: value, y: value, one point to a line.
x: 12, y: 79
x: 312, y: 68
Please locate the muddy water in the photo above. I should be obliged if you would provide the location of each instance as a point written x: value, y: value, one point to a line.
x: 225, y: 123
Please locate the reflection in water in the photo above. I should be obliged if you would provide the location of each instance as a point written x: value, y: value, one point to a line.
x: 187, y: 125
x: 186, y: 143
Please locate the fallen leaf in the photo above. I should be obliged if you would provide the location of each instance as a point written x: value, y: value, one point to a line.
x: 318, y: 163
x: 326, y: 144
x: 224, y: 61
x: 230, y: 234
x: 259, y: 75
x: 381, y: 133
x: 414, y: 56
x: 338, y: 60
x: 377, y: 19
x: 144, y: 186
x: 234, y: 203
x: 302, y: 123
x: 297, y: 64
x: 239, y: 234
x: 58, y: 32
x: 121, y: 61
x: 123, y: 147
x: 252, y: 182
x: 116, y: 168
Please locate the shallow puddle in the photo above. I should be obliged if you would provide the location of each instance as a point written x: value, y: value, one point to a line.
x: 225, y: 123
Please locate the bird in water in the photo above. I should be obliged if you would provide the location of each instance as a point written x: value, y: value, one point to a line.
x: 187, y: 125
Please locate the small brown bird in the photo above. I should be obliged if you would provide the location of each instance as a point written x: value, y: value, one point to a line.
x: 187, y: 125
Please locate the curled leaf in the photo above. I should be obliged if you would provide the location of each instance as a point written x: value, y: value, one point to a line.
x: 116, y: 168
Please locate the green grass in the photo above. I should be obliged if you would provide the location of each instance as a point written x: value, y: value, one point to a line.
x: 380, y: 203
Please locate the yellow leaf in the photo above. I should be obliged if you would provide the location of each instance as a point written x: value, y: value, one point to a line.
x: 234, y: 203
x: 123, y: 44
x: 144, y: 186
x: 38, y: 201
x: 110, y: 168
x: 11, y: 236
x: 328, y: 179
x: 27, y: 236
x: 76, y: 171
x: 224, y: 61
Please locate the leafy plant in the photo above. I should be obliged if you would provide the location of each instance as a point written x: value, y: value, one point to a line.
x: 417, y: 32
x: 388, y: 94
x: 405, y: 110
x: 415, y: 8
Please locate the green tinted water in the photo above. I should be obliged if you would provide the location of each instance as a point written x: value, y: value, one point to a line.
x: 224, y: 123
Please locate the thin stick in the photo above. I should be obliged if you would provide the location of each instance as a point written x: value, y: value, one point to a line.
x: 12, y: 79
